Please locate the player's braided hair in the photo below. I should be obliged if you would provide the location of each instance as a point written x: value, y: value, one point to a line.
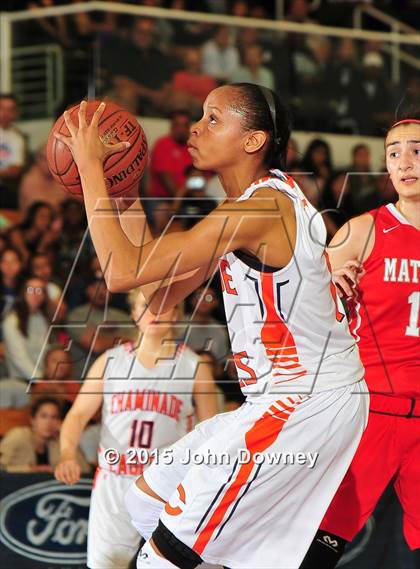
x: 261, y: 109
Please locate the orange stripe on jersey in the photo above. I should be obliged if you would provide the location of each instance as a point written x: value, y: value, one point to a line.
x: 275, y: 335
x: 259, y: 438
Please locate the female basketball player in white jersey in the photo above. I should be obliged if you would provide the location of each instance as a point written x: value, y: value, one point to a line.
x: 297, y: 362
x: 147, y: 394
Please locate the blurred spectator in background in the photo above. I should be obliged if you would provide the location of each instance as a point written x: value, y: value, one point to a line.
x: 38, y: 232
x: 12, y: 151
x: 298, y: 12
x: 196, y: 203
x: 25, y: 330
x: 362, y: 181
x: 292, y: 157
x: 36, y: 448
x: 317, y: 162
x: 40, y: 266
x: 204, y: 331
x: 239, y: 8
x: 11, y: 276
x: 374, y: 101
x: 71, y: 244
x: 94, y: 327
x: 220, y: 57
x: 141, y: 71
x: 170, y: 157
x: 189, y: 34
x: 39, y: 185
x: 345, y: 84
x: 253, y: 70
x: 58, y: 379
x: 192, y: 85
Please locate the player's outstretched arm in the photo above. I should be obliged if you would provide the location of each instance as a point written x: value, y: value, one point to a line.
x: 87, y: 402
x: 348, y: 249
x: 127, y: 266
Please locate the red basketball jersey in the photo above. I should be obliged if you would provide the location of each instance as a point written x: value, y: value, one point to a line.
x: 385, y: 313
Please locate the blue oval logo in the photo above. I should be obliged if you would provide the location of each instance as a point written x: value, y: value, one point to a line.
x: 52, y: 521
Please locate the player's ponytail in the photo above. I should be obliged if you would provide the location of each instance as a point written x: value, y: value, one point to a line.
x: 262, y: 110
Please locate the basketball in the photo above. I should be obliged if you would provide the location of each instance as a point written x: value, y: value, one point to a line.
x: 123, y: 170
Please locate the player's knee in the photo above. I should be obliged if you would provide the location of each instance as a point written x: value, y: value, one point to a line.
x: 175, y: 550
x: 325, y: 551
x: 143, y: 509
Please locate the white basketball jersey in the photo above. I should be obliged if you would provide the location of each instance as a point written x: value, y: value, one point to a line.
x: 144, y: 408
x: 288, y: 328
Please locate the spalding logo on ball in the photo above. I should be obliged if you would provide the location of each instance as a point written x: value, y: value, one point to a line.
x: 123, y: 170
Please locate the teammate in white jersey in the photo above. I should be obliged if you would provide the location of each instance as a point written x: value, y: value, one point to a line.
x: 148, y: 394
x: 236, y: 502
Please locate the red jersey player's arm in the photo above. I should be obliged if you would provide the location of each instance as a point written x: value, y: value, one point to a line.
x: 205, y: 390
x: 86, y: 404
x: 349, y: 248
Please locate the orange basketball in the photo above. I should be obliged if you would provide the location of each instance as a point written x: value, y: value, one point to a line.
x: 123, y: 170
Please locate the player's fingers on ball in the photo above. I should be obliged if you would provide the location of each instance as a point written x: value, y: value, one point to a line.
x: 118, y: 147
x: 64, y: 139
x: 350, y: 275
x: 70, y: 124
x: 82, y: 114
x: 97, y: 114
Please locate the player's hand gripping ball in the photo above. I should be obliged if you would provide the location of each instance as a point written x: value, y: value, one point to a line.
x: 95, y: 131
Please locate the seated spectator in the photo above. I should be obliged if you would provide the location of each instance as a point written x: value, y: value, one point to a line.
x: 38, y: 232
x: 373, y: 99
x: 192, y: 85
x: 220, y: 57
x: 204, y: 331
x: 169, y: 158
x: 39, y: 185
x: 253, y: 70
x: 345, y: 83
x: 12, y: 152
x: 141, y: 82
x: 298, y: 12
x: 25, y: 330
x: 293, y: 156
x: 317, y: 162
x: 11, y: 275
x: 239, y: 9
x: 94, y: 327
x: 40, y: 266
x: 195, y: 203
x: 74, y: 240
x: 189, y: 34
x: 362, y: 181
x: 36, y: 448
x: 58, y: 379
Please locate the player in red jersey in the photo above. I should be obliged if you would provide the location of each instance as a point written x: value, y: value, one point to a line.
x: 384, y: 312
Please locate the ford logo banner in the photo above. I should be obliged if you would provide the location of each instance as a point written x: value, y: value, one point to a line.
x: 45, y: 522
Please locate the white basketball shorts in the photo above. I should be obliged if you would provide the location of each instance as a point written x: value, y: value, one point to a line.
x: 112, y: 539
x: 252, y: 485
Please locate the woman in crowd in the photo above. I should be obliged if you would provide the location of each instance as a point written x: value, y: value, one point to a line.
x: 11, y: 266
x: 35, y: 448
x: 25, y: 330
x: 38, y: 232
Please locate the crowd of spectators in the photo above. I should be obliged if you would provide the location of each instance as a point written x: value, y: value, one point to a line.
x: 154, y: 66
